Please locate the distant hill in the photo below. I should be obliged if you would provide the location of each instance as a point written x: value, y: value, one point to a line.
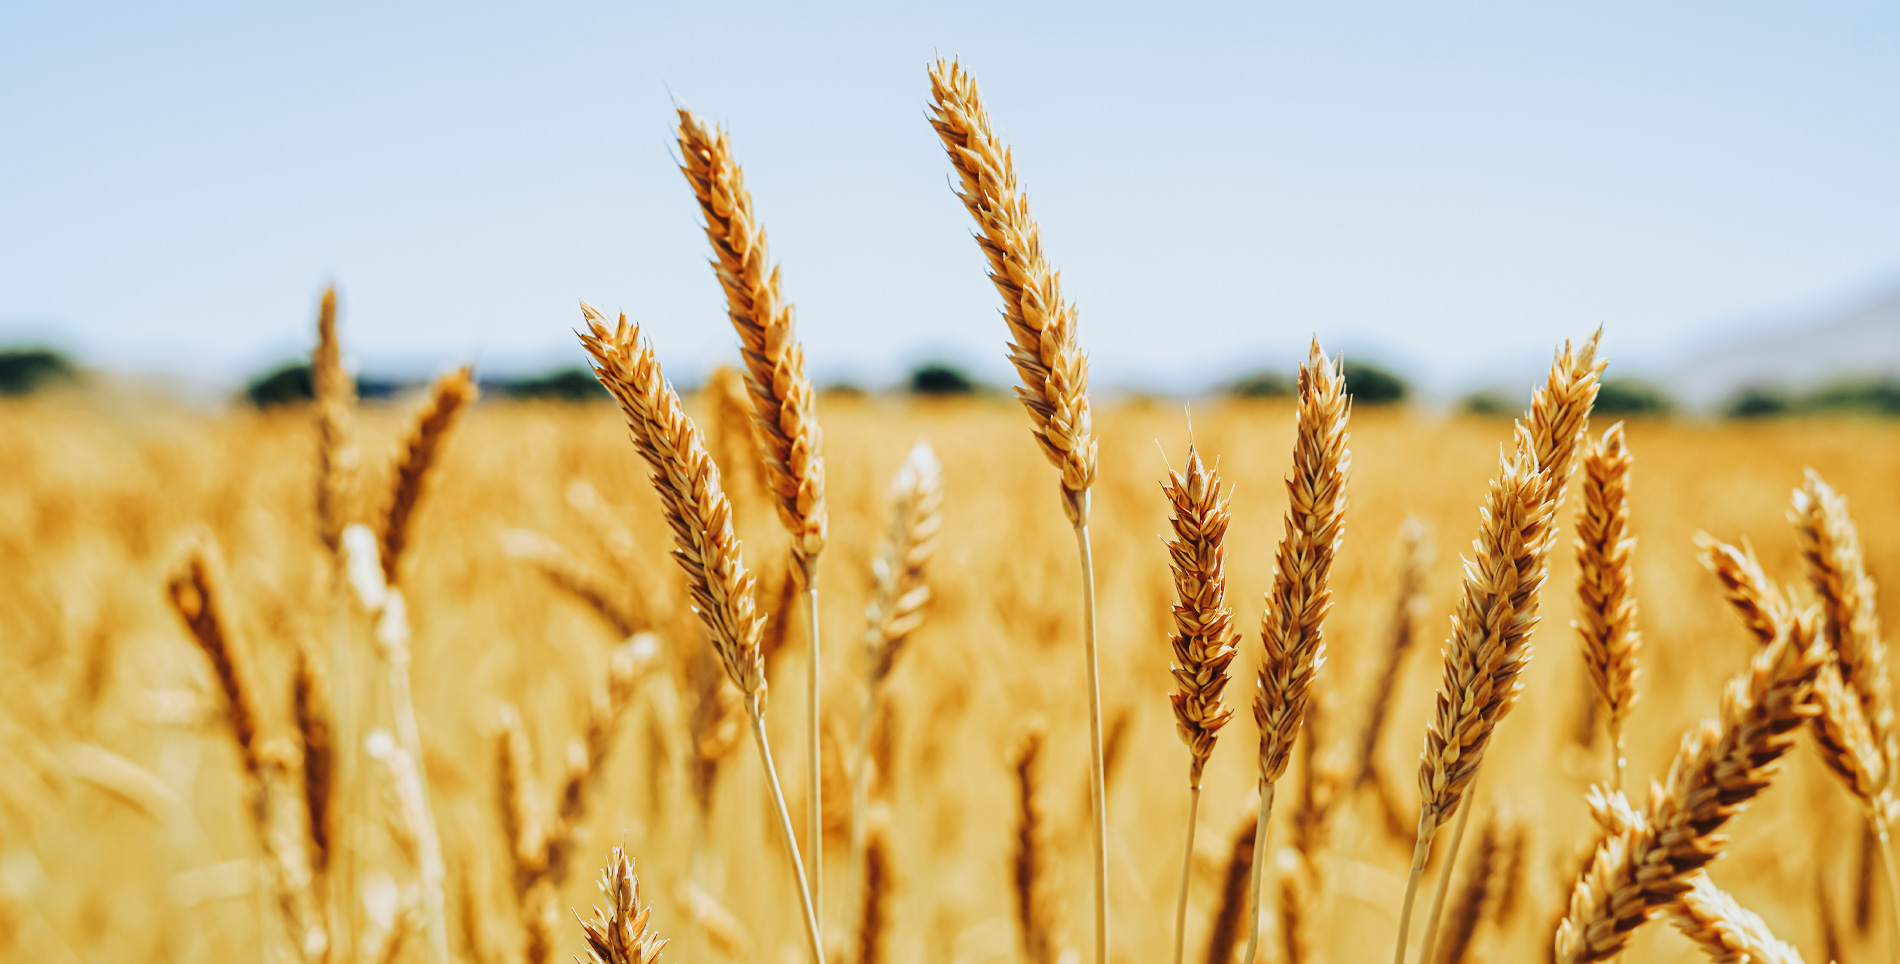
x: 1861, y: 341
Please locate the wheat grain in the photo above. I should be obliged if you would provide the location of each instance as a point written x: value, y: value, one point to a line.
x: 1497, y: 610
x: 701, y: 518
x: 1203, y: 643
x: 1291, y: 624
x: 310, y: 707
x: 421, y: 449
x: 620, y: 934
x: 1722, y: 765
x: 200, y: 596
x: 1605, y: 594
x: 1054, y: 373
x: 1727, y: 932
x: 1749, y: 591
x: 1029, y: 872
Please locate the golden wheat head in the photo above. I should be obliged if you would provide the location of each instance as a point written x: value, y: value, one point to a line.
x: 1204, y: 641
x: 784, y: 406
x: 1044, y: 345
x: 688, y: 485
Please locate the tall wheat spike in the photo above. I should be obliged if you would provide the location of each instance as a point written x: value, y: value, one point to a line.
x: 899, y: 594
x: 337, y: 468
x: 1290, y: 626
x: 1605, y: 591
x: 1722, y: 765
x: 421, y: 448
x: 784, y: 406
x: 1029, y: 870
x: 1203, y: 643
x: 619, y: 934
x: 1491, y: 627
x: 704, y: 545
x: 1046, y: 350
x: 1856, y: 728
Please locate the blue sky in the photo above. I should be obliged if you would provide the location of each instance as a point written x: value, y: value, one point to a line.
x: 1449, y: 187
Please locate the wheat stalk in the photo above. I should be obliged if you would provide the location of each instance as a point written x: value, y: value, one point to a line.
x: 899, y: 594
x: 1203, y: 642
x: 1491, y: 627
x: 784, y: 406
x: 620, y: 934
x: 704, y: 545
x: 1290, y: 626
x: 1605, y: 594
x: 1722, y: 765
x: 1048, y: 357
x: 337, y: 466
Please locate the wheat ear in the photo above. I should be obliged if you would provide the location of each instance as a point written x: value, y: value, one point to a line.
x: 619, y: 934
x: 1491, y: 626
x: 1047, y: 353
x: 1605, y: 593
x: 1223, y: 931
x: 1290, y: 626
x: 421, y: 448
x: 1203, y: 642
x: 898, y: 596
x: 1726, y: 931
x: 875, y: 911
x: 784, y: 406
x: 704, y: 545
x: 1862, y: 746
x: 1415, y: 555
x: 1029, y: 871
x: 310, y: 708
x: 1719, y: 769
x: 337, y: 467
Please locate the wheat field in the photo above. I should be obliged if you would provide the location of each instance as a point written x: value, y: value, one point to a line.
x: 123, y: 808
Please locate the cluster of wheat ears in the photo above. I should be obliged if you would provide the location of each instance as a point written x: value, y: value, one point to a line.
x: 1820, y: 664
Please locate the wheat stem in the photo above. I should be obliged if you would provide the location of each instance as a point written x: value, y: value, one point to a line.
x: 785, y: 825
x: 1187, y: 870
x: 1097, y: 790
x: 814, y: 776
x: 1435, y: 914
x: 1259, y: 861
x: 1421, y: 852
x: 1893, y: 874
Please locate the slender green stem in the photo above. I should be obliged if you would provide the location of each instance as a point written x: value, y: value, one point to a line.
x: 815, y: 783
x: 1433, y: 916
x: 1187, y: 869
x: 1097, y: 789
x: 1259, y: 863
x: 785, y: 825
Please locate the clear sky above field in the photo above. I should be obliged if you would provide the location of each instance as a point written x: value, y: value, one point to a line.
x: 1449, y: 187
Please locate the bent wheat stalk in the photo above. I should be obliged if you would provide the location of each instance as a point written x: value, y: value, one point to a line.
x: 1048, y: 357
x: 784, y: 407
x: 1203, y: 641
x: 704, y: 544
x: 1491, y: 627
x: 1290, y: 626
